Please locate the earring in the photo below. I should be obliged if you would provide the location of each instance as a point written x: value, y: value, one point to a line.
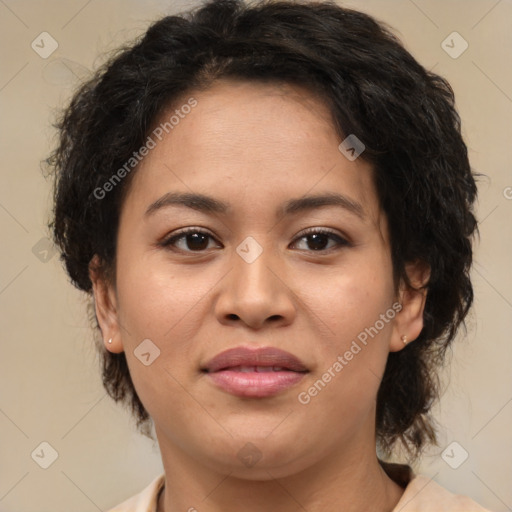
x: 110, y: 341
x: 404, y: 339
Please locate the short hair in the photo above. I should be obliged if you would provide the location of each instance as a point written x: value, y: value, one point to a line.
x: 373, y: 87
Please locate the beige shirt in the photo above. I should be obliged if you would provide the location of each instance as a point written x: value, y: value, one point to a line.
x: 421, y: 495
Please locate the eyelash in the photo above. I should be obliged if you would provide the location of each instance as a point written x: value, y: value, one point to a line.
x: 341, y: 242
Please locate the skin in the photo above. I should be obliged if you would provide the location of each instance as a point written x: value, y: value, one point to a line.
x: 256, y: 146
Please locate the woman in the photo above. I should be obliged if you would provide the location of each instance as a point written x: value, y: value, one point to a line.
x: 272, y: 208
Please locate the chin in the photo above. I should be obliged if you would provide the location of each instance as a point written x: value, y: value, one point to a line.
x: 259, y: 459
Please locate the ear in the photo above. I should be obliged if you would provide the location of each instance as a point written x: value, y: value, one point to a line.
x: 409, y: 321
x: 105, y: 304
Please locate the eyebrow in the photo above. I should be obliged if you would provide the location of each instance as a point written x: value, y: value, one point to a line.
x: 199, y: 202
x: 318, y: 201
x: 207, y: 204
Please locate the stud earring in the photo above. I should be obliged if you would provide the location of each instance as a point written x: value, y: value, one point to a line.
x: 110, y: 341
x: 404, y: 339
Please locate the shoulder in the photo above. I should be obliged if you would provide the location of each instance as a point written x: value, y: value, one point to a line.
x: 423, y: 494
x: 145, y: 501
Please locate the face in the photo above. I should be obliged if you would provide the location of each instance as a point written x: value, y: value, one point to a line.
x: 263, y: 265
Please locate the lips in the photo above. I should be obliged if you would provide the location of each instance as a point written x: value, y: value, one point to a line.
x: 254, y: 372
x: 246, y: 359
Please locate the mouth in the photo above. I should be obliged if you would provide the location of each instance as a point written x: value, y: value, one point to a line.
x: 257, y: 369
x: 254, y: 372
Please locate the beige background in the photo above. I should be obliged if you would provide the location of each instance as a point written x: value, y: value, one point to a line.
x: 49, y: 381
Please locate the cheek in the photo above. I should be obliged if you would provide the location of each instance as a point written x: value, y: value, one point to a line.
x: 162, y: 306
x: 157, y: 301
x: 355, y: 316
x: 351, y: 298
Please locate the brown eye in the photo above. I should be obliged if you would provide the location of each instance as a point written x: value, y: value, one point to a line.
x: 190, y: 240
x: 317, y: 240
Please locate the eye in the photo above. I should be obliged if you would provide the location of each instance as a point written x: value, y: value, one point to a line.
x: 196, y: 240
x: 191, y: 240
x: 318, y: 238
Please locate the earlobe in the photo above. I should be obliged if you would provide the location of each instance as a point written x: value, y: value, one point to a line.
x: 409, y: 321
x: 105, y: 307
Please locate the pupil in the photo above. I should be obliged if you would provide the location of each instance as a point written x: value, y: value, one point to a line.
x: 318, y: 237
x: 198, y: 241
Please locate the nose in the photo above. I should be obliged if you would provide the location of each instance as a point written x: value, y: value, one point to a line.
x: 255, y: 293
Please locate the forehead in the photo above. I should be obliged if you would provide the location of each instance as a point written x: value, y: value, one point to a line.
x: 252, y: 142
x: 276, y: 115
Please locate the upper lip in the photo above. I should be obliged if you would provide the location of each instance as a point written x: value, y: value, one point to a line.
x: 261, y: 356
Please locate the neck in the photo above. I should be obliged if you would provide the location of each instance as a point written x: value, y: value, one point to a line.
x: 349, y: 481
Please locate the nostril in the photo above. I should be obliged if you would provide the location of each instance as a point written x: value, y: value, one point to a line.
x: 232, y: 316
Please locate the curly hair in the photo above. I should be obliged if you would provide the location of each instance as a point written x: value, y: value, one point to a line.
x: 373, y: 87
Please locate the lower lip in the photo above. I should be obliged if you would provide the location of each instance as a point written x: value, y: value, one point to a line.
x: 255, y: 384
